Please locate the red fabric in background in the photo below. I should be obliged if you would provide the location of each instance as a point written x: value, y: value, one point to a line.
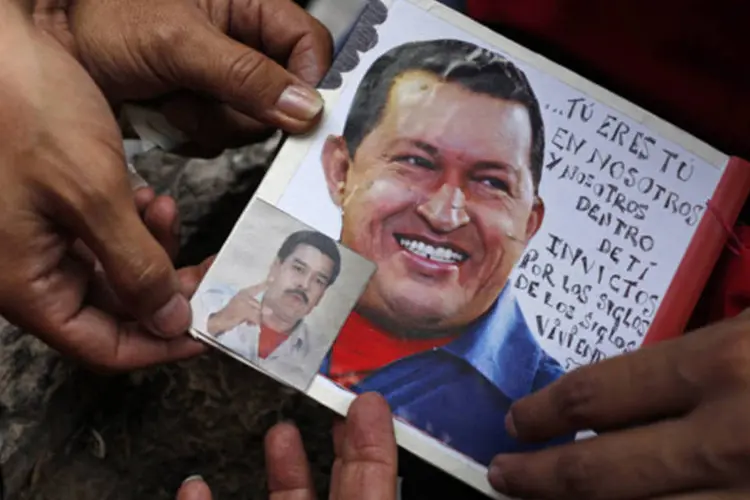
x: 684, y: 60
x: 728, y: 291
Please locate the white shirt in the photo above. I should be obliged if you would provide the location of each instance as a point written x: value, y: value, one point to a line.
x: 295, y: 361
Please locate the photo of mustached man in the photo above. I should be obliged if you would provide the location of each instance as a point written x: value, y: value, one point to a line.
x: 265, y: 322
x: 436, y: 176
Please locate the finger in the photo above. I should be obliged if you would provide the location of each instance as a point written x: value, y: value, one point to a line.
x: 636, y: 463
x: 212, y: 126
x: 211, y: 62
x: 339, y: 437
x: 105, y: 344
x: 254, y: 290
x: 160, y: 215
x: 162, y: 219
x: 194, y: 488
x: 643, y: 385
x: 191, y: 277
x: 101, y: 296
x: 288, y: 34
x: 143, y: 198
x: 709, y: 495
x: 289, y: 476
x: 100, y: 209
x: 367, y: 458
x: 89, y: 333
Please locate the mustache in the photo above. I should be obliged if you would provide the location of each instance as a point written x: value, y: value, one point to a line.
x: 299, y: 293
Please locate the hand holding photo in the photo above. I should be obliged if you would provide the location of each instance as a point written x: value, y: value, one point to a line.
x: 282, y: 312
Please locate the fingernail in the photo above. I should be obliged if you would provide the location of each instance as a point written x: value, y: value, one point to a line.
x: 495, y: 476
x: 300, y: 103
x: 194, y: 477
x: 173, y: 318
x: 510, y: 425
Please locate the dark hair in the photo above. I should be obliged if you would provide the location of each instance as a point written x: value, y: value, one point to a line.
x: 477, y: 69
x: 315, y: 239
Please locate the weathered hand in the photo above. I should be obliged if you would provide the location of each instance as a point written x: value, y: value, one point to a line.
x: 77, y: 263
x: 222, y: 71
x: 364, y: 469
x: 674, y: 422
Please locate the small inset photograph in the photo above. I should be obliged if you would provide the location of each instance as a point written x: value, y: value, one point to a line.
x: 278, y: 293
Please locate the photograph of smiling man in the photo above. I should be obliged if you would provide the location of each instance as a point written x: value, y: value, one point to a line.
x: 280, y: 295
x: 436, y: 176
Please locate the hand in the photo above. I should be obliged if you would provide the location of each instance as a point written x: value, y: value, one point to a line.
x: 221, y: 71
x: 77, y: 263
x: 365, y: 467
x: 243, y: 308
x: 673, y: 419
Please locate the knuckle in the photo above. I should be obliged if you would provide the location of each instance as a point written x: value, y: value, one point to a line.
x: 321, y: 34
x: 573, y: 398
x: 147, y: 274
x: 736, y: 450
x: 168, y: 36
x: 93, y: 195
x: 726, y: 452
x: 575, y: 470
x: 249, y: 73
x: 730, y: 361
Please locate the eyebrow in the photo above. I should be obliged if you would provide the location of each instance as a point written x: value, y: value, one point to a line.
x: 424, y: 146
x: 302, y: 263
x: 478, y: 165
x: 497, y: 165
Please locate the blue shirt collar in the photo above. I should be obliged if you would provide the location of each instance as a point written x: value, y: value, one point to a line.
x: 501, y: 347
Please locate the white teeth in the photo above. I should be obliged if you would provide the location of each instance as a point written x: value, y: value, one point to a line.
x: 424, y: 250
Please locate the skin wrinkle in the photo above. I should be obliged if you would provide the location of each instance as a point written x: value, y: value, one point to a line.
x: 249, y: 9
x: 217, y: 15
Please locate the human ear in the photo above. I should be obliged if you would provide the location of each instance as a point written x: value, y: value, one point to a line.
x: 336, y: 163
x: 274, y: 270
x: 536, y: 217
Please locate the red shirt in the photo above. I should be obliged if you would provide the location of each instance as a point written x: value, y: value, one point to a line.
x: 268, y: 341
x: 685, y: 60
x: 362, y: 348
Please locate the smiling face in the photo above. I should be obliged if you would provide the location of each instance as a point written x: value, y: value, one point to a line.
x: 440, y: 196
x: 296, y: 285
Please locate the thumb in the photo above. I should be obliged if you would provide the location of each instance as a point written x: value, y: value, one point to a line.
x: 102, y: 212
x: 194, y: 488
x: 366, y: 465
x: 211, y: 62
